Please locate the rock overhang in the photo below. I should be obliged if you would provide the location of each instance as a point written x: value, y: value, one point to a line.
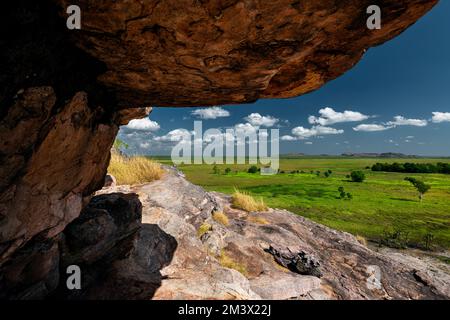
x: 201, y: 53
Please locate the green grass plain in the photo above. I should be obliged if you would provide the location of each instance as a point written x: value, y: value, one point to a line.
x: 384, y: 202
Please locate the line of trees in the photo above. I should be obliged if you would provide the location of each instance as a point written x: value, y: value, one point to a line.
x: 413, y: 167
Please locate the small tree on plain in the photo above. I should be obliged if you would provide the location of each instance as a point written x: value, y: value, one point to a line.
x: 253, y: 169
x: 420, y: 186
x: 357, y: 176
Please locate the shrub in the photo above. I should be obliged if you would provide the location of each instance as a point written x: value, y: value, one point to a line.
x: 134, y: 170
x: 216, y: 169
x: 397, y: 239
x: 428, y: 241
x: 244, y: 201
x: 343, y: 194
x: 221, y: 217
x: 227, y: 170
x: 318, y: 173
x: 357, y: 176
x: 253, y: 169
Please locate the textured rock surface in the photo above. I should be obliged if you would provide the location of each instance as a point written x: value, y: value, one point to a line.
x: 171, y: 261
x: 186, y: 52
x: 63, y: 94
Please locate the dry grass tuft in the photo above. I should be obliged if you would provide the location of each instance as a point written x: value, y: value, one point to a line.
x: 228, y: 262
x: 258, y: 220
x: 204, y: 228
x: 221, y: 217
x: 361, y: 240
x: 244, y: 201
x: 134, y: 170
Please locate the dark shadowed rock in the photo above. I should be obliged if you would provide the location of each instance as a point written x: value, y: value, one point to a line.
x: 33, y: 273
x: 104, y: 233
x: 296, y: 260
x: 110, y: 181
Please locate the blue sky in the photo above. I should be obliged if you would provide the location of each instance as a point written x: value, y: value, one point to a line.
x: 407, y: 77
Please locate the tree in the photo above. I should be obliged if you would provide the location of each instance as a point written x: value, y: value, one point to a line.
x: 253, y: 169
x: 119, y: 145
x: 420, y: 186
x: 341, y: 192
x: 357, y: 176
x: 227, y: 170
x: 216, y: 170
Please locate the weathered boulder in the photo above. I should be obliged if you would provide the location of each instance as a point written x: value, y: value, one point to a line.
x: 171, y: 261
x: 105, y: 232
x: 296, y: 260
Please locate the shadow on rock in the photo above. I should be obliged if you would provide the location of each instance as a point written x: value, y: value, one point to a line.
x: 119, y: 258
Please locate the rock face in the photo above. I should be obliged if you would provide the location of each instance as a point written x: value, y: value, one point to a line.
x: 185, y: 52
x: 244, y: 259
x: 64, y: 93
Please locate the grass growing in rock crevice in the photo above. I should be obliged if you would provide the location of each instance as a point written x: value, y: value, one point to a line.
x: 221, y: 217
x: 227, y: 262
x: 244, y: 201
x: 203, y: 229
x: 134, y: 170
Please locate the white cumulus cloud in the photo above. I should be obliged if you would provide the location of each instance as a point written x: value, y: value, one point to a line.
x: 328, y: 116
x: 305, y: 133
x: 402, y: 121
x: 371, y: 127
x: 210, y: 113
x: 174, y: 136
x: 439, y: 117
x: 143, y: 125
x: 288, y: 138
x: 255, y: 119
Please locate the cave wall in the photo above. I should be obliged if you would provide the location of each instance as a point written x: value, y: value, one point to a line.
x: 63, y: 94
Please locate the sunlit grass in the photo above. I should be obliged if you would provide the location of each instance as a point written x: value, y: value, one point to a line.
x: 203, y: 229
x: 221, y: 217
x: 227, y: 262
x: 134, y: 170
x: 245, y: 201
x: 383, y: 202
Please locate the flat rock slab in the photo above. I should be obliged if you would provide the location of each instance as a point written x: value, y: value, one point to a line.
x: 233, y: 262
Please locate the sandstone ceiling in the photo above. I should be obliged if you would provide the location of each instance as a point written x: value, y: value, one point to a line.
x: 199, y: 52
